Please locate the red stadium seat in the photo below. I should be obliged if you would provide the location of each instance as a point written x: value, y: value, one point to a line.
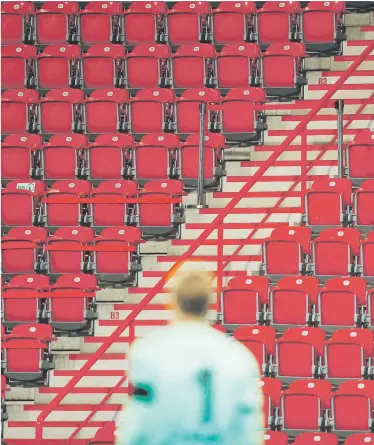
x: 241, y: 122
x: 64, y: 252
x: 298, y: 293
x: 17, y: 111
x: 277, y: 22
x: 20, y: 206
x: 17, y: 156
x: 328, y: 18
x: 326, y: 202
x: 105, y: 110
x: 104, y: 435
x: 282, y: 70
x: 57, y: 67
x: 16, y: 66
x: 334, y: 251
x: 188, y: 112
x: 303, y: 405
x: 18, y: 310
x: 155, y: 157
x: 193, y: 66
x: 104, y: 66
x: 234, y: 22
x: 147, y: 66
x: 272, y: 389
x: 188, y: 22
x: 106, y: 215
x: 260, y: 340
x: 160, y: 219
x: 63, y: 157
x: 364, y: 204
x: 107, y: 156
x: 359, y: 157
x: 349, y: 354
x: 367, y: 257
x: 284, y: 252
x: 16, y: 22
x: 341, y: 301
x: 352, y: 406
x: 299, y: 352
x: 275, y: 438
x: 59, y: 111
x: 359, y: 439
x: 101, y: 22
x: 56, y: 23
x: 238, y: 65
x: 322, y: 438
x: 22, y: 250
x: 242, y: 300
x: 213, y: 160
x: 144, y: 23
x: 150, y: 111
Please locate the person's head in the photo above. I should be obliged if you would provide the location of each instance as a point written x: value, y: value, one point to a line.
x: 192, y: 296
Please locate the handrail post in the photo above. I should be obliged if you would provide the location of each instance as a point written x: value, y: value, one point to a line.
x: 339, y: 107
x: 200, y: 180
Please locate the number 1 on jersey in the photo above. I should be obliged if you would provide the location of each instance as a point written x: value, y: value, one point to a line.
x: 204, y: 378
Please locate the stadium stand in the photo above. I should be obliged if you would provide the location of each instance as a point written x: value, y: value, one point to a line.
x: 101, y: 135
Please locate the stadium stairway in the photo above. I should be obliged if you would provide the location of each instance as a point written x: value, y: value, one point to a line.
x: 263, y: 188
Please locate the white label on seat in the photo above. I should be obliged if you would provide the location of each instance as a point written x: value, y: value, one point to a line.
x: 76, y: 279
x: 151, y: 49
x: 16, y: 6
x: 206, y: 138
x: 27, y: 232
x: 23, y: 139
x: 299, y: 281
x: 248, y: 281
x: 20, y: 94
x: 104, y: 6
x: 107, y: 49
x: 310, y: 385
x: 282, y: 5
x: 68, y: 139
x: 60, y: 5
x: 62, y: 49
x: 148, y: 5
x: 332, y: 184
x: 65, y: 93
x: 340, y: 233
x: 237, y: 5
x: 110, y: 93
x: 30, y: 280
x: 29, y: 186
x: 115, y: 138
x: 121, y: 232
x: 360, y: 386
x: 196, y: 48
x: 118, y: 185
x: 160, y: 138
x: 326, y: 4
x: 71, y: 185
x: 192, y: 5
x: 18, y: 50
x: 261, y: 383
x: 201, y: 93
x: 291, y: 232
x: 353, y: 334
x: 286, y: 47
x: 346, y: 282
x: 32, y: 329
x: 317, y: 438
x: 74, y: 232
x: 255, y: 331
x: 305, y: 333
x: 241, y: 48
x: 246, y: 92
x: 164, y: 185
x: 367, y: 439
x: 156, y: 93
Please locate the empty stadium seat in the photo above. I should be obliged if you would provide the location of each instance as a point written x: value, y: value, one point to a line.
x: 22, y: 250
x: 359, y: 439
x: 59, y: 111
x: 309, y: 438
x: 260, y: 340
x: 147, y: 66
x: 58, y: 67
x: 303, y: 405
x: 352, y: 406
x: 213, y: 160
x: 56, y: 23
x: 242, y: 300
x: 341, y: 301
x: 359, y: 157
x: 367, y: 257
x: 238, y: 65
x: 334, y: 252
x: 144, y: 23
x: 234, y: 22
x: 105, y: 110
x: 364, y: 205
x: 298, y: 293
x: 16, y: 64
x: 282, y: 70
x: 17, y: 111
x: 277, y: 22
x: 327, y: 17
x: 285, y: 251
x: 299, y: 352
x: 104, y: 66
x: 18, y: 309
x: 188, y: 22
x: 17, y: 156
x: 155, y: 157
x: 241, y: 120
x: 16, y: 22
x: 27, y: 357
x: 193, y: 66
x: 275, y: 438
x: 349, y: 354
x: 20, y: 203
x: 58, y: 212
x: 104, y: 435
x: 271, y: 389
x: 327, y: 201
x: 112, y: 214
x: 101, y: 22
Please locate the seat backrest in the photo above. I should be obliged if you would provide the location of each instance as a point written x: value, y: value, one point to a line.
x: 256, y: 95
x: 103, y: 7
x: 357, y: 387
x: 242, y: 7
x: 363, y: 337
x: 118, y: 139
x: 21, y: 8
x: 254, y: 283
x: 155, y: 94
x: 129, y: 234
x: 28, y: 233
x: 81, y: 234
x: 325, y: 6
x: 18, y: 50
x: 112, y: 95
x: 198, y: 50
x: 32, y: 331
x: 264, y: 334
x: 350, y: 236
x: 22, y: 95
x: 28, y: 140
x: 79, y: 187
x: 310, y: 285
x: 275, y: 437
x: 162, y: 139
x: 147, y: 7
x: 170, y: 186
x: 210, y: 140
x: 367, y: 185
x: 359, y: 439
x: 151, y: 50
x: 66, y: 7
x: 122, y: 186
x: 79, y: 281
x: 201, y: 95
x: 191, y: 8
x: 338, y: 185
x: 71, y: 140
x: 320, y: 438
x: 68, y: 51
x: 319, y: 388
x: 288, y: 7
x: 291, y: 49
x: 356, y: 285
x: 32, y: 187
x: 301, y: 235
x: 272, y: 388
x: 33, y: 281
x: 104, y: 50
x: 250, y: 50
x: 64, y: 95
x: 314, y: 336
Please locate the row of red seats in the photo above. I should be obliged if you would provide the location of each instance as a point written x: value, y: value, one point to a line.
x: 305, y: 352
x: 112, y: 256
x: 68, y: 305
x: 308, y: 438
x: 157, y: 208
x: 112, y: 156
x: 335, y: 252
x: 329, y: 203
x: 151, y: 111
x: 311, y: 405
x: 340, y: 302
x: 318, y: 25
x: 153, y: 66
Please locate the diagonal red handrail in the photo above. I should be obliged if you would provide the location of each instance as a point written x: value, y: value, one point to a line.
x: 199, y: 240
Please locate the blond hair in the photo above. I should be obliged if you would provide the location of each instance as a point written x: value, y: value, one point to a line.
x: 193, y: 293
